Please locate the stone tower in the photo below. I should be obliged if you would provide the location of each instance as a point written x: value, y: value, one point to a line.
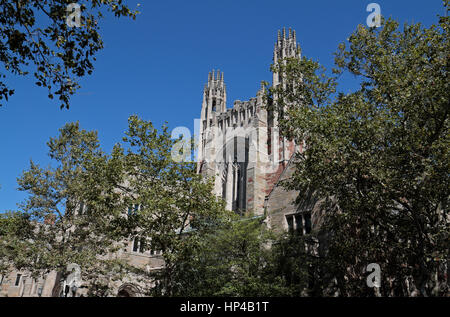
x: 240, y: 147
x: 285, y: 47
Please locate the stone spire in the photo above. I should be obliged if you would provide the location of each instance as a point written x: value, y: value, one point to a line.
x: 285, y: 47
x: 215, y: 81
x: 214, y: 103
x: 214, y: 97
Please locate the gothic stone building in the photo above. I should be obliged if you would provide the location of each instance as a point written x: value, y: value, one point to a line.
x: 241, y: 148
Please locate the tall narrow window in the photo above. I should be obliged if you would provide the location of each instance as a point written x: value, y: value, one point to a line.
x: 308, y: 225
x: 142, y: 246
x: 290, y: 222
x: 299, y: 224
x: 136, y: 245
x: 270, y: 133
x: 19, y: 276
x: 224, y: 184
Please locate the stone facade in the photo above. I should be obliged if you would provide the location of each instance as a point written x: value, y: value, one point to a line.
x: 283, y: 206
x: 22, y: 284
x: 240, y: 147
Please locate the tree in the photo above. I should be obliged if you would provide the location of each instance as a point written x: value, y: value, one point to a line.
x: 243, y: 258
x: 15, y: 230
x: 77, y: 209
x: 233, y: 260
x: 380, y: 152
x: 35, y: 37
x: 68, y: 216
x: 176, y: 206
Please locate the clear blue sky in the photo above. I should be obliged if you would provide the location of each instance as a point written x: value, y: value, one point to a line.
x: 156, y: 67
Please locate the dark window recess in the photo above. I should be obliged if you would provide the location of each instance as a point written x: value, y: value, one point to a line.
x: 241, y: 157
x: 225, y: 173
x: 290, y: 222
x: 142, y: 246
x: 299, y: 224
x: 18, y: 279
x: 224, y: 187
x: 308, y: 225
x: 136, y: 245
x: 269, y: 132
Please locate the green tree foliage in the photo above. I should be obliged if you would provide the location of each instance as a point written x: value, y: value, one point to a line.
x: 380, y: 152
x: 242, y: 258
x: 78, y: 210
x: 35, y: 38
x: 15, y: 229
x: 176, y: 205
x: 68, y: 217
x: 226, y: 262
x: 292, y: 266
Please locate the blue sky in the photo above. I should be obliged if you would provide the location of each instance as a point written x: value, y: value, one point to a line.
x: 157, y: 65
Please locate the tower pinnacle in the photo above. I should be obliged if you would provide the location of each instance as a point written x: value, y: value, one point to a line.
x: 285, y: 47
x: 214, y: 96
